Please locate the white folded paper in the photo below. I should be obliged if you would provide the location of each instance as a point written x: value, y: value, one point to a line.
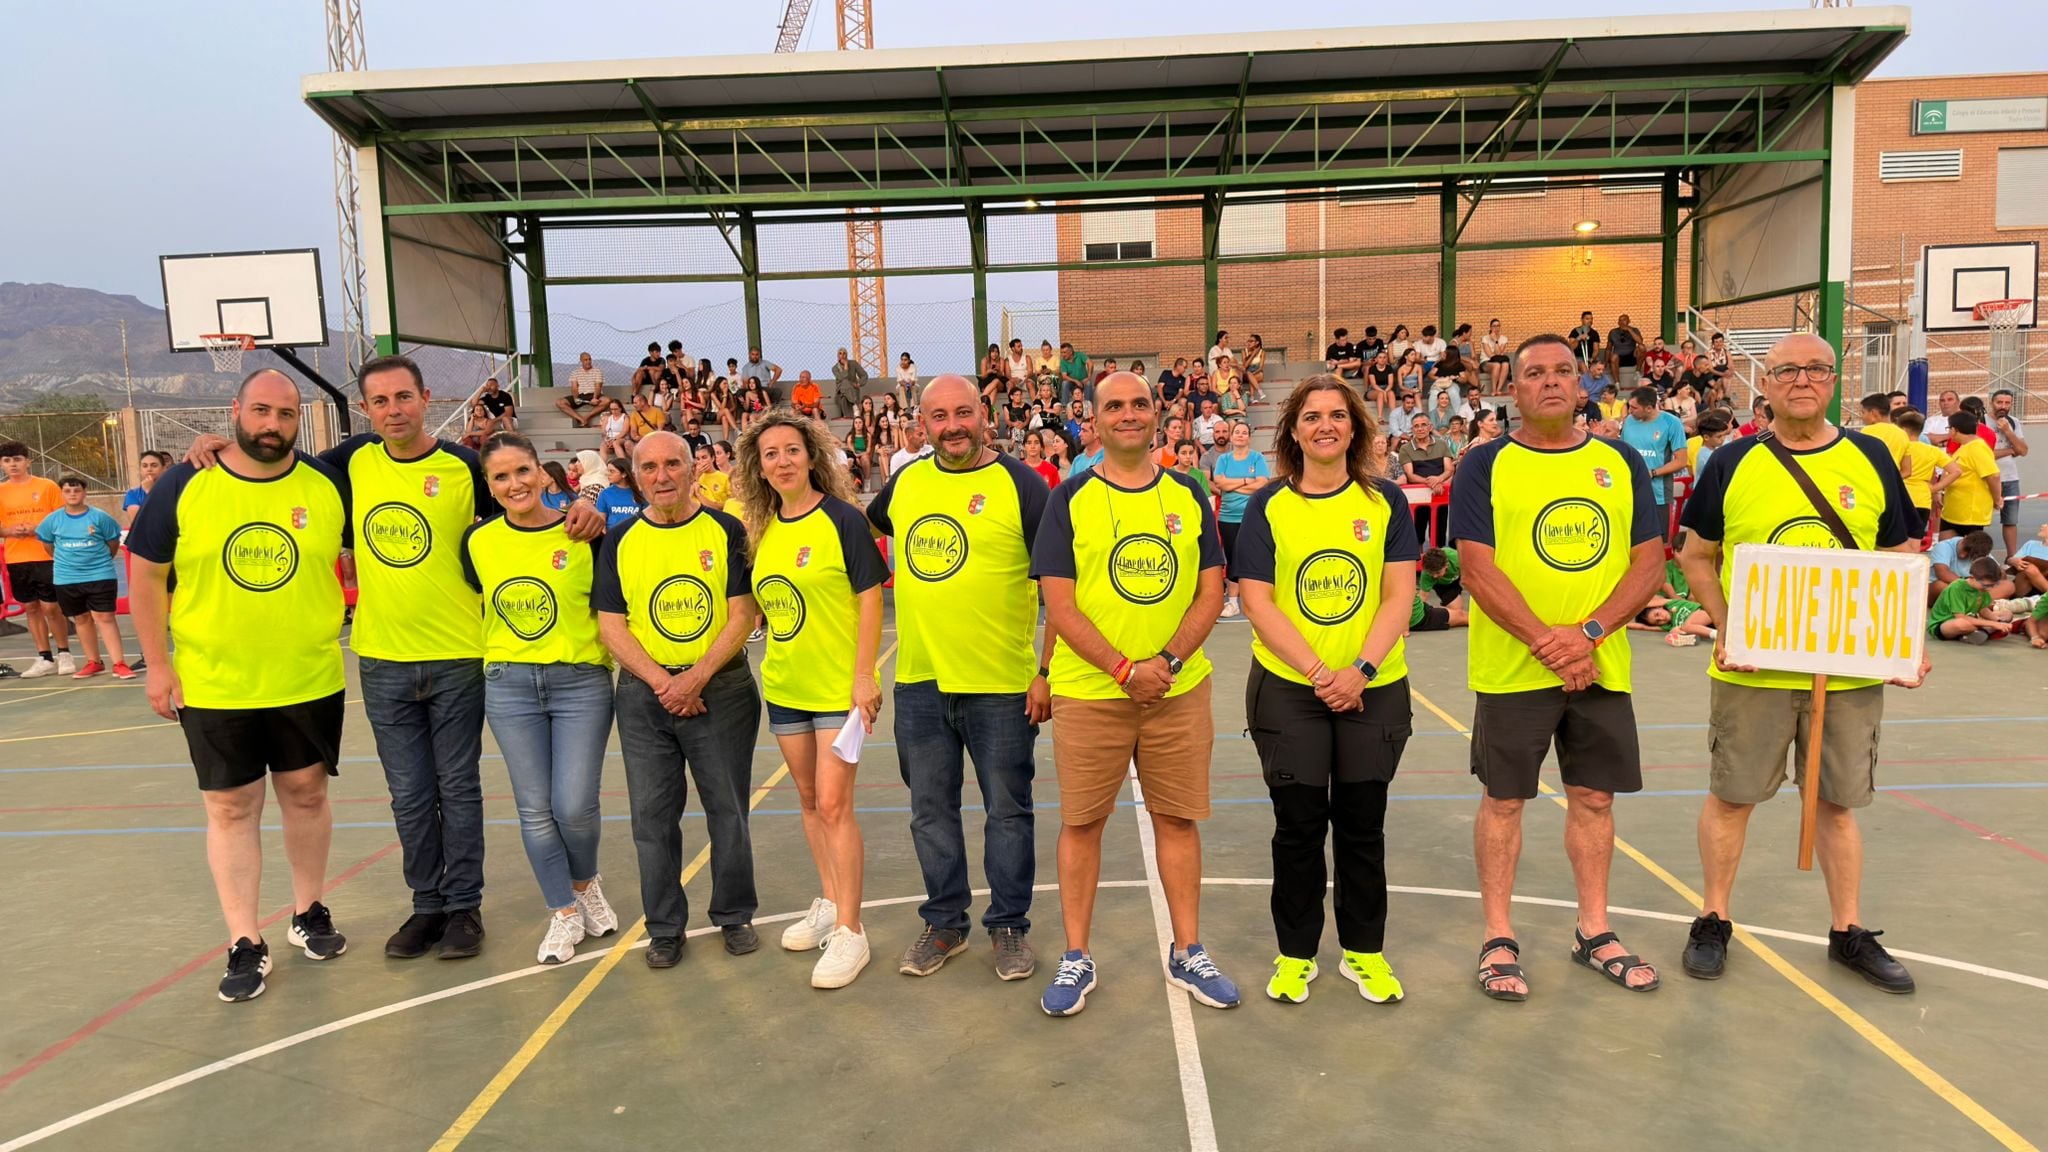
x: 852, y: 735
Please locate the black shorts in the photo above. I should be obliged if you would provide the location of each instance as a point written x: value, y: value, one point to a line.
x: 579, y: 401
x: 1300, y: 741
x: 91, y: 596
x: 29, y: 581
x: 1434, y: 619
x: 1496, y: 359
x: 232, y: 747
x: 1946, y: 526
x: 1594, y: 732
x: 1229, y: 529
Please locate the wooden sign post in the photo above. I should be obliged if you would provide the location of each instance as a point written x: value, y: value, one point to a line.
x: 1829, y: 613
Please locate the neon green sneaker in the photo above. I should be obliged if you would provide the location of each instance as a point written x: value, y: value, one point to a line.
x: 1291, y: 979
x: 1372, y: 974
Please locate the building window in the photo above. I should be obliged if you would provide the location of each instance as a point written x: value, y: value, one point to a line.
x: 1940, y: 164
x: 2022, y: 174
x: 1117, y: 250
x: 1252, y: 229
x: 1119, y: 234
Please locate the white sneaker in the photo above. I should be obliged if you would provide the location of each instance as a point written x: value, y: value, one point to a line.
x: 1229, y: 609
x: 846, y: 953
x: 564, y: 934
x: 813, y: 930
x: 596, y: 911
x: 41, y: 667
x: 66, y: 666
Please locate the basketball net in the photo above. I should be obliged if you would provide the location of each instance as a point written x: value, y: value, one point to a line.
x: 227, y: 350
x: 2002, y: 315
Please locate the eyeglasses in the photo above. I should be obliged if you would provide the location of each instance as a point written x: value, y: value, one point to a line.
x: 1818, y: 373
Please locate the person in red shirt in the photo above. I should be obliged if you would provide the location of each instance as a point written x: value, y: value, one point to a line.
x: 1034, y: 459
x: 1985, y: 431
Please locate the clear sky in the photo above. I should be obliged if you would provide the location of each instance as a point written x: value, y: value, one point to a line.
x: 139, y: 127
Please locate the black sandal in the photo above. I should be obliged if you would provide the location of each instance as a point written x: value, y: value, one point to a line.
x: 1491, y: 972
x: 1616, y: 968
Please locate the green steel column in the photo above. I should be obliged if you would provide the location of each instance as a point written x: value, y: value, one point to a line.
x: 543, y: 356
x: 1668, y: 283
x: 1212, y: 298
x: 1447, y: 261
x: 977, y: 258
x: 1832, y: 299
x: 750, y: 273
x: 1692, y: 299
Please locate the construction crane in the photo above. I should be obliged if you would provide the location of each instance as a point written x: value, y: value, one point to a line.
x: 865, y: 296
x: 345, y: 54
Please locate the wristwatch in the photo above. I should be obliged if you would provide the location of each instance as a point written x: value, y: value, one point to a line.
x: 1592, y: 630
x: 1044, y: 673
x: 1173, y: 663
x: 1367, y: 669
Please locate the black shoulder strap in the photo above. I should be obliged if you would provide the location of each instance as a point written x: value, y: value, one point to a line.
x: 1828, y: 515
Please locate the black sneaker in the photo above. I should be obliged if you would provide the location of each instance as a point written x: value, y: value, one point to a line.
x: 1858, y: 948
x: 248, y: 964
x: 465, y: 934
x: 740, y: 939
x: 664, y: 951
x: 313, y: 932
x: 1706, y: 950
x: 420, y: 932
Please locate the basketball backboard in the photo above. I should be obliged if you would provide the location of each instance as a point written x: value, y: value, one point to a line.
x: 1958, y: 277
x: 272, y: 297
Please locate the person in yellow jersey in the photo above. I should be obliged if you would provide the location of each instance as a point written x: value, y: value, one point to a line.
x: 962, y: 522
x: 253, y: 545
x: 547, y: 686
x: 675, y: 598
x: 818, y: 581
x: 1131, y: 565
x: 1977, y: 498
x: 1561, y: 543
x: 1927, y: 470
x: 714, y: 486
x: 1326, y: 565
x: 1747, y: 494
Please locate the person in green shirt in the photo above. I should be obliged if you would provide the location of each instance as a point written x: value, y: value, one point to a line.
x: 1074, y: 375
x: 1682, y: 620
x: 1440, y: 571
x: 1187, y: 459
x: 2037, y: 624
x: 1963, y: 610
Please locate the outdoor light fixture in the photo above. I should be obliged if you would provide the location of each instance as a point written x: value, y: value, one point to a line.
x: 1586, y: 227
x: 1030, y: 204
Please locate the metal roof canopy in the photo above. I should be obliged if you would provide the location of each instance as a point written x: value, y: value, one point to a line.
x: 1096, y: 118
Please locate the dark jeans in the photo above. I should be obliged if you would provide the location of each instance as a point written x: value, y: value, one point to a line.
x: 933, y: 728
x: 718, y: 749
x: 428, y: 717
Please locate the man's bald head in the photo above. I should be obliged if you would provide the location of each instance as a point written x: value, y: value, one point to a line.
x: 664, y: 466
x: 947, y: 390
x: 269, y: 379
x: 951, y: 414
x: 1800, y: 348
x: 663, y: 443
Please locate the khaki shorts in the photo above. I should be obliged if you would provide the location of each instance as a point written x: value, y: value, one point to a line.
x: 1750, y: 730
x: 1095, y: 741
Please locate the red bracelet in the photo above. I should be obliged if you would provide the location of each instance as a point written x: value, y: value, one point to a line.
x: 1122, y: 673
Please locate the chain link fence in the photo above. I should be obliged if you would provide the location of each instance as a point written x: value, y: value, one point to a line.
x: 84, y: 443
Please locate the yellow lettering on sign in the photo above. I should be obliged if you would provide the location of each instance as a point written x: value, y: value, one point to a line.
x: 1752, y: 605
x: 1846, y: 597
x: 1812, y: 612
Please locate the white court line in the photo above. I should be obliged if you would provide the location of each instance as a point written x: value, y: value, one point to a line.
x: 347, y: 1022
x: 1194, y: 1083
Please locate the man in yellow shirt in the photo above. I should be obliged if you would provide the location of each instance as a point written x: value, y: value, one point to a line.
x: 1927, y: 470
x: 1977, y: 496
x: 645, y: 419
x: 25, y: 499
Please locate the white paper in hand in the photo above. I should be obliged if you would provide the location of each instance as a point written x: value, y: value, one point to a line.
x: 852, y: 735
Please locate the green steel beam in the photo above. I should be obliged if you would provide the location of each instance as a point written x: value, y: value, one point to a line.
x: 1232, y: 141
x: 1212, y: 232
x: 750, y: 269
x: 977, y: 254
x: 692, y: 170
x: 543, y: 355
x: 1832, y: 299
x: 1447, y: 258
x: 1667, y: 283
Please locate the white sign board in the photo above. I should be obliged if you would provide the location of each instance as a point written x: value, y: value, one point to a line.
x: 2009, y: 114
x: 1827, y: 610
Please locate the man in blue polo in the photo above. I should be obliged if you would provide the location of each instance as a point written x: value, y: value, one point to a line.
x: 1660, y: 437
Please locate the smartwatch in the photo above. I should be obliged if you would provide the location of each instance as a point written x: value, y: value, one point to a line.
x: 1367, y: 669
x: 1044, y: 673
x: 1592, y: 630
x: 1173, y: 663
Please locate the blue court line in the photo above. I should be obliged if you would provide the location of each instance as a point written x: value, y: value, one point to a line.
x: 1042, y: 804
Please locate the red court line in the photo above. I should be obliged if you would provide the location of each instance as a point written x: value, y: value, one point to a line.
x: 1981, y: 832
x: 189, y: 967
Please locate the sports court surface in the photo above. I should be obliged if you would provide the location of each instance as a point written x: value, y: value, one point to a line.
x: 114, y: 1039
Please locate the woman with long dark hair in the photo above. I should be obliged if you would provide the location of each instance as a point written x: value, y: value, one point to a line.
x: 1326, y: 568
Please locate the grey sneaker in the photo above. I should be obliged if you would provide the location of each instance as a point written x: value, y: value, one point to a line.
x: 1014, y: 958
x: 933, y: 948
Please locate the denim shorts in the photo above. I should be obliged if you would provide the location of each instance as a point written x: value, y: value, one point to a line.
x: 797, y: 721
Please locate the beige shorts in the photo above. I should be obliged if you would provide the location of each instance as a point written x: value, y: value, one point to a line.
x: 1750, y: 730
x: 1095, y: 741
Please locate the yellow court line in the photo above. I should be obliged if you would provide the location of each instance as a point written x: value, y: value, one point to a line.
x: 522, y: 1059
x: 1933, y: 1081
x: 108, y: 731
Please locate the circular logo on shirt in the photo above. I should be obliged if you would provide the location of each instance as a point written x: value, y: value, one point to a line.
x: 1571, y: 534
x: 260, y: 557
x: 935, y: 547
x: 397, y: 534
x: 1142, y: 568
x: 680, y: 608
x: 782, y: 605
x: 1330, y: 586
x: 526, y: 605
x: 1804, y: 532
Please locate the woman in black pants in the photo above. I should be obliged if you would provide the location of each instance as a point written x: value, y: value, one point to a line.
x: 1325, y: 564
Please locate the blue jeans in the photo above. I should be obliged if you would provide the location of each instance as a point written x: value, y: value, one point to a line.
x: 933, y: 728
x: 552, y: 722
x: 428, y: 717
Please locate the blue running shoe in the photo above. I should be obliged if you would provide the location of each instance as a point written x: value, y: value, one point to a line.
x: 1068, y: 992
x: 1200, y: 977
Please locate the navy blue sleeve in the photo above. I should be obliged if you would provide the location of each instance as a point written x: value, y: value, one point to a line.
x: 1472, y: 495
x: 340, y: 481
x: 486, y: 504
x: 878, y: 508
x: 154, y: 536
x: 1032, y: 496
x: 1705, y: 513
x: 1253, y: 559
x: 1646, y: 523
x: 1900, y: 520
x: 1211, y: 555
x: 338, y: 456
x: 739, y: 566
x: 1401, y: 545
x: 606, y: 593
x: 1052, y: 553
x: 468, y: 567
x: 864, y: 567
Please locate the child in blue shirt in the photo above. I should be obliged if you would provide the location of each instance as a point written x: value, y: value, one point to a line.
x: 82, y: 541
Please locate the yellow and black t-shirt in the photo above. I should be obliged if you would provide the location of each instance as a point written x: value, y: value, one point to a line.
x: 536, y: 593
x: 1745, y: 496
x: 1135, y: 556
x: 674, y: 582
x: 1324, y: 555
x: 412, y: 602
x: 257, y: 607
x: 962, y: 541
x: 808, y: 575
x: 1561, y: 523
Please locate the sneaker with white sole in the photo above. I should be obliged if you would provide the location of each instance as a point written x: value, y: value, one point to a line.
x: 1230, y: 610
x: 248, y: 964
x: 565, y: 932
x: 312, y: 932
x: 1373, y: 975
x: 811, y: 931
x: 598, y: 917
x: 66, y: 665
x: 846, y: 953
x: 1068, y: 992
x: 1194, y: 973
x: 42, y: 667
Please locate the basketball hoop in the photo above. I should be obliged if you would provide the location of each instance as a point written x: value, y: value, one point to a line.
x: 2002, y: 315
x: 226, y: 349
